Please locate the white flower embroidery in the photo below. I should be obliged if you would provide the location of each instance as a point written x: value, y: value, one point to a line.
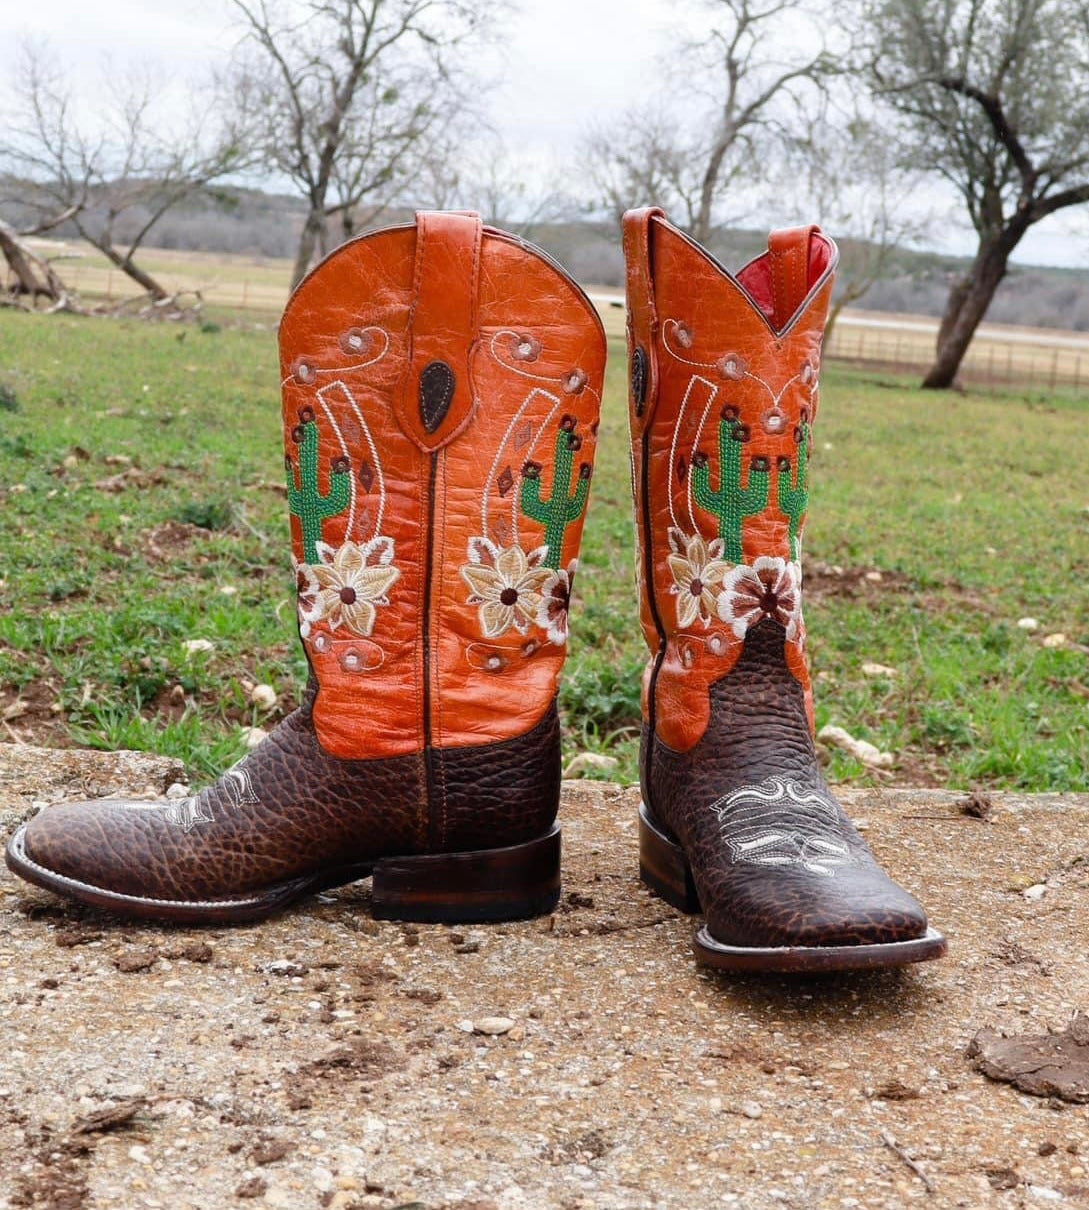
x: 506, y: 584
x: 698, y: 572
x: 769, y: 588
x: 556, y: 603
x: 349, y: 583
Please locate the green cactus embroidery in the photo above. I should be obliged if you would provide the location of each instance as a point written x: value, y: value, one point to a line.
x: 562, y: 508
x: 793, y: 494
x: 303, y: 498
x: 732, y: 503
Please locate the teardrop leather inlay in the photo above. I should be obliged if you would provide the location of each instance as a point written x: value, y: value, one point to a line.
x: 639, y: 380
x: 436, y: 393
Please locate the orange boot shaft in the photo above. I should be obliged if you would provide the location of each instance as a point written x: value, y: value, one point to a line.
x: 439, y: 433
x: 724, y: 395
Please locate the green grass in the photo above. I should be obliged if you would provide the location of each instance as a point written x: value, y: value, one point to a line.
x: 972, y: 507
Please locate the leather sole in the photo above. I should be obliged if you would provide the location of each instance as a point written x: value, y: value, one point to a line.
x: 664, y: 867
x: 457, y: 888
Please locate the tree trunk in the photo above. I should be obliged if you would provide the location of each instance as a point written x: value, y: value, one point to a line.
x: 308, y: 243
x: 967, y: 305
x: 130, y: 268
x: 33, y: 275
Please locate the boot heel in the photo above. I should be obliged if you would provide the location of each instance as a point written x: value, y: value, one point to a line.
x: 664, y: 867
x: 489, y: 884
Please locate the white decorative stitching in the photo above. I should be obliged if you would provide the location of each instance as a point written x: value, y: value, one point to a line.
x: 235, y: 784
x: 348, y: 369
x: 344, y: 450
x: 89, y: 886
x: 370, y: 445
x: 759, y: 825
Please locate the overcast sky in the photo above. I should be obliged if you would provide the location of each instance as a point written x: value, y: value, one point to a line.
x: 567, y: 62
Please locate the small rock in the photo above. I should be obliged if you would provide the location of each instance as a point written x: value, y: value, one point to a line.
x: 590, y: 762
x: 195, y: 646
x: 860, y: 749
x: 285, y: 967
x: 752, y: 1109
x: 1035, y: 892
x: 263, y: 696
x: 177, y: 790
x: 1058, y: 639
x: 466, y: 1026
x: 1027, y: 624
x: 493, y: 1026
x: 228, y: 590
x: 878, y: 670
x: 254, y: 1186
x: 875, y: 577
x: 252, y: 736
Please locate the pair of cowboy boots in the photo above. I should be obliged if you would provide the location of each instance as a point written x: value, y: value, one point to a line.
x: 441, y: 392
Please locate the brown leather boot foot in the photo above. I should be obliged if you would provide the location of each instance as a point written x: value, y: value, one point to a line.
x: 441, y: 389
x: 737, y: 819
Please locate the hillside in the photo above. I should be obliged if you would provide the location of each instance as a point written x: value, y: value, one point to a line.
x: 253, y: 223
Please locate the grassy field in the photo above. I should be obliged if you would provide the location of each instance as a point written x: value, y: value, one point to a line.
x: 140, y: 476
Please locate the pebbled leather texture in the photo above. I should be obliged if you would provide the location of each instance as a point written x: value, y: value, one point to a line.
x: 289, y: 809
x: 720, y: 453
x: 441, y: 390
x: 789, y: 871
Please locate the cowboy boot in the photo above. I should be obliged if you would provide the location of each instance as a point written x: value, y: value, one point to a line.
x: 441, y: 387
x: 737, y: 820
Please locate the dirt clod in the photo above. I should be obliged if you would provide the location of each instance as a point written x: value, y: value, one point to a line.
x: 976, y: 805
x: 269, y: 1150
x: 139, y: 958
x: 1043, y: 1065
x: 254, y: 1186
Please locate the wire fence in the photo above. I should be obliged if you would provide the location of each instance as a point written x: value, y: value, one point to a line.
x: 998, y: 356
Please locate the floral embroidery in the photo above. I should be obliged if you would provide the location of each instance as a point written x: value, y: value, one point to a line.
x: 556, y: 603
x: 770, y: 588
x: 507, y: 585
x: 349, y: 585
x: 698, y: 573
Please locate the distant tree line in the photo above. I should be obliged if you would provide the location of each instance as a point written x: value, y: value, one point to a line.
x: 333, y: 115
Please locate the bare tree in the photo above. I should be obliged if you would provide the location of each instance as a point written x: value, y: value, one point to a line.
x: 115, y: 175
x: 845, y: 173
x: 32, y: 276
x: 992, y: 98
x: 729, y: 96
x: 353, y: 97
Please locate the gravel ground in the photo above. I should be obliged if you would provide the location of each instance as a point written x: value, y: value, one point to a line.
x: 577, y: 1062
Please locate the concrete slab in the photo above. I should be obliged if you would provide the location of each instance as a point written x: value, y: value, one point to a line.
x: 324, y: 1059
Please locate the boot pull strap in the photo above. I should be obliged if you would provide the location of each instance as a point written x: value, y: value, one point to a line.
x: 788, y: 256
x: 642, y: 314
x: 435, y: 398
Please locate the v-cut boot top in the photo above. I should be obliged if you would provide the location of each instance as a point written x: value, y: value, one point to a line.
x: 724, y: 392
x: 441, y: 389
